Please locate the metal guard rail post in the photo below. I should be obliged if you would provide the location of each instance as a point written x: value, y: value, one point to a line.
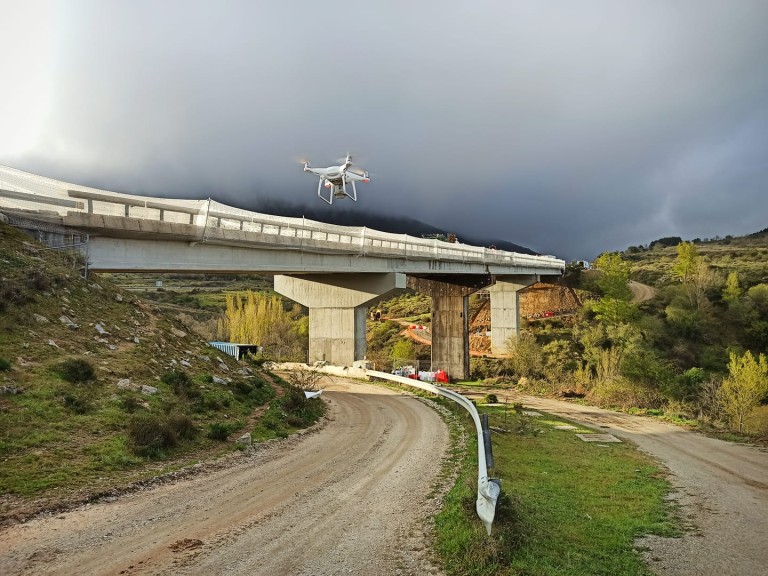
x: 488, y: 489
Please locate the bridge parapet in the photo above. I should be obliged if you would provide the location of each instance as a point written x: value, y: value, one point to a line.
x: 211, y: 221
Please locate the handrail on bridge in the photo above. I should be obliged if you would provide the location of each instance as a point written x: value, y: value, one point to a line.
x: 19, y: 186
x: 488, y: 489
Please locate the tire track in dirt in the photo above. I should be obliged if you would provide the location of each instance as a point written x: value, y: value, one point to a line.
x: 340, y: 500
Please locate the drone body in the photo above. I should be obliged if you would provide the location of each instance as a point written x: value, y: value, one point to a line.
x: 336, y: 178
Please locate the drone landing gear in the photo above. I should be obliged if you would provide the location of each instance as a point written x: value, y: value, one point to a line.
x: 336, y: 192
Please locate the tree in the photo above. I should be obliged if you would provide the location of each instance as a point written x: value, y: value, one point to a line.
x: 403, y: 352
x: 732, y: 290
x: 615, y: 306
x: 525, y: 355
x: 257, y: 318
x: 694, y: 274
x: 744, y: 387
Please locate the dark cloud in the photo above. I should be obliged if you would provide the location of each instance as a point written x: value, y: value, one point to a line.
x: 569, y: 127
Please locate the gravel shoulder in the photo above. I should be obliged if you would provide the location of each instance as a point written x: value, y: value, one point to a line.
x: 721, y: 488
x: 352, y: 497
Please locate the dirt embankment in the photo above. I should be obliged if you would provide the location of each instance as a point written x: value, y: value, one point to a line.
x: 350, y: 498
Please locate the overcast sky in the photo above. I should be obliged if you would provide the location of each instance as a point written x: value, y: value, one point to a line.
x: 569, y: 127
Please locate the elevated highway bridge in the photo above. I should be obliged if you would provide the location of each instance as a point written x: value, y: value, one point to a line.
x: 336, y: 271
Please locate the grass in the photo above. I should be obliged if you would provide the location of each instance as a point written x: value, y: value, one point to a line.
x: 567, y: 507
x: 67, y: 426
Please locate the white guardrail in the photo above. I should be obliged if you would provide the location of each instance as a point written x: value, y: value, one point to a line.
x: 488, y: 489
x: 29, y: 192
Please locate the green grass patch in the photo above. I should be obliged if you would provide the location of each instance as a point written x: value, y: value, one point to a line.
x: 567, y: 508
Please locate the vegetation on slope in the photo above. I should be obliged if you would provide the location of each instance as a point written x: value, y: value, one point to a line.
x: 99, y: 388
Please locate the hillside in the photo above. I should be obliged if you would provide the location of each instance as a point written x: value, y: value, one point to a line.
x: 745, y: 255
x: 99, y: 388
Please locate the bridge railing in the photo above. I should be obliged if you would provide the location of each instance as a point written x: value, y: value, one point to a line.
x: 25, y: 191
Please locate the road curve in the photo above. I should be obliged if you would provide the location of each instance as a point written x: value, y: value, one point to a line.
x: 722, y: 489
x: 345, y: 499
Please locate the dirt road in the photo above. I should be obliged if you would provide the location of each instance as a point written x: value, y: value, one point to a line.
x: 349, y: 498
x: 722, y: 489
x: 641, y: 292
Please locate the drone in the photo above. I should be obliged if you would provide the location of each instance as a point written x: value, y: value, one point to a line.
x: 336, y: 178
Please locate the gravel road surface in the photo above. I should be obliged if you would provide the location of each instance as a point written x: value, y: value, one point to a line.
x: 722, y: 489
x: 351, y: 498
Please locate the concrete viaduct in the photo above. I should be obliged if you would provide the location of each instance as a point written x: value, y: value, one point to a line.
x: 337, y: 272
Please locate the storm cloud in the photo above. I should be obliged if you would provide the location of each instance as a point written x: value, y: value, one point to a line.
x: 569, y: 127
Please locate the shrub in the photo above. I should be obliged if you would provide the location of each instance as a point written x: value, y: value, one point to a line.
x: 149, y: 435
x: 130, y: 404
x: 182, y: 425
x: 37, y: 280
x: 75, y: 370
x: 219, y: 430
x: 490, y: 399
x: 5, y: 364
x: 181, y: 384
x: 78, y: 404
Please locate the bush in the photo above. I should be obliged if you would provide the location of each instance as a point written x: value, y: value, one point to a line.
x: 78, y: 404
x: 150, y: 435
x: 75, y: 370
x: 220, y: 430
x: 5, y: 364
x: 182, y: 425
x: 491, y: 399
x: 130, y: 404
x: 181, y: 384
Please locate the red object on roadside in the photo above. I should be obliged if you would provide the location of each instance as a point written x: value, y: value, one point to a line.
x: 441, y: 376
x: 413, y: 376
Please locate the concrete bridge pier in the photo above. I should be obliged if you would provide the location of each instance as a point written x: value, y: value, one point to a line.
x: 450, y: 321
x: 337, y: 310
x: 505, y: 308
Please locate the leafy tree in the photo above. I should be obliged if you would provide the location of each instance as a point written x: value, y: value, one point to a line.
x: 694, y: 274
x: 403, y: 351
x: 732, y: 290
x: 615, y: 306
x: 256, y: 318
x: 614, y: 275
x: 525, y: 355
x: 744, y: 387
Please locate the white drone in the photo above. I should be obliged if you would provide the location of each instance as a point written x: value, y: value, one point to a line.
x: 336, y: 178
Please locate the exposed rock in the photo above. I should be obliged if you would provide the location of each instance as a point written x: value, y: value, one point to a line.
x: 95, y: 286
x: 204, y: 358
x: 217, y: 380
x: 136, y: 339
x: 10, y: 390
x: 245, y: 439
x: 126, y: 384
x: 185, y: 364
x: 68, y: 322
x: 149, y: 390
x: 112, y: 347
x: 100, y: 329
x: 40, y: 319
x: 178, y: 333
x: 52, y: 343
x: 223, y: 367
x: 119, y: 297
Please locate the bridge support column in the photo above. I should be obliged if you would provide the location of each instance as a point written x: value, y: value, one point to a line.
x: 450, y: 321
x: 505, y: 309
x: 337, y: 310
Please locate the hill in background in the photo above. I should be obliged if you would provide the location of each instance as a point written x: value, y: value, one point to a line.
x: 745, y: 255
x: 384, y: 223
